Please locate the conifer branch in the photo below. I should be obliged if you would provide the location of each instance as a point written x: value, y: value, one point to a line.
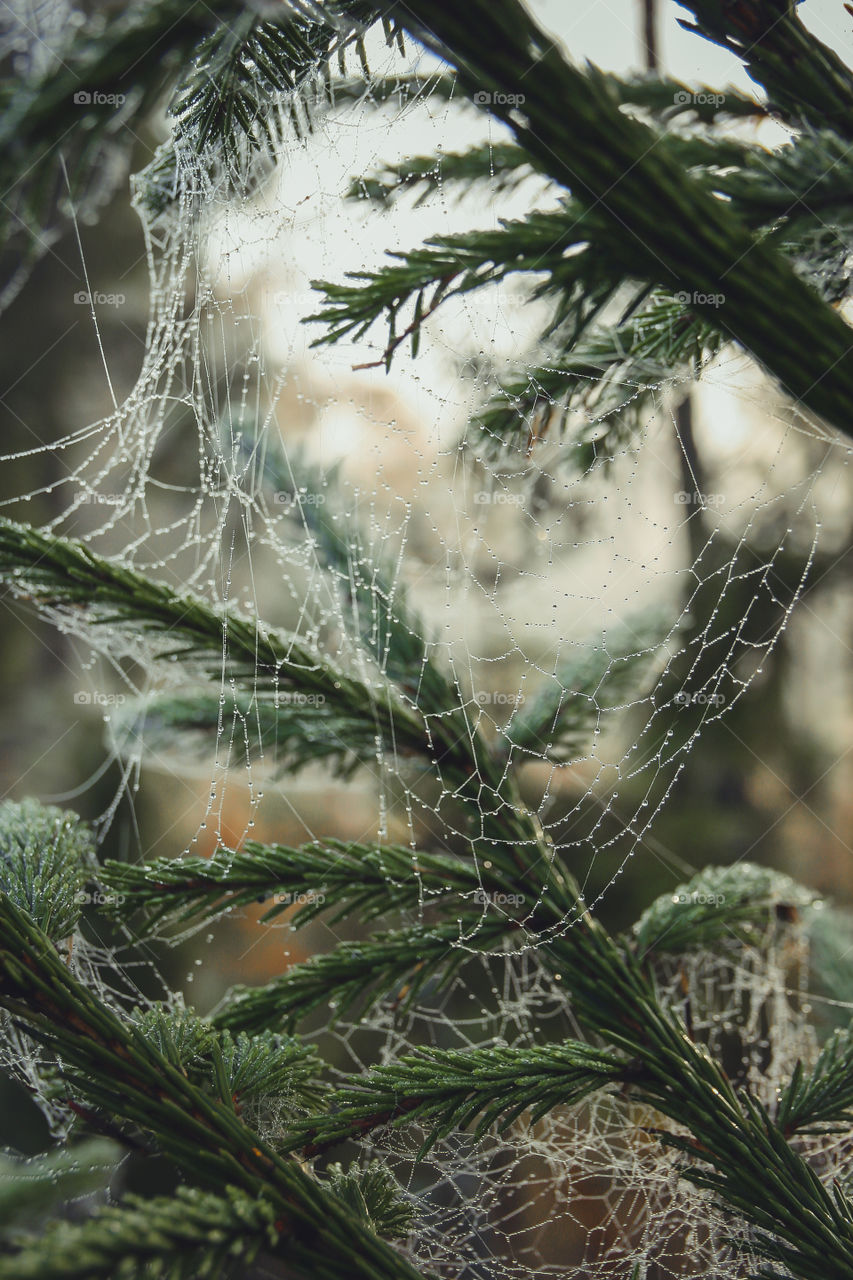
x: 44, y: 853
x: 451, y: 265
x: 30, y: 1187
x: 609, y: 377
x: 502, y: 164
x: 192, y: 1235
x: 573, y: 125
x: 446, y: 1090
x: 372, y: 1194
x: 803, y: 78
x: 815, y: 1101
x: 397, y: 964
x: 115, y: 1066
x: 57, y: 573
x: 290, y: 731
x: 226, y: 104
x: 738, y: 902
x: 337, y: 876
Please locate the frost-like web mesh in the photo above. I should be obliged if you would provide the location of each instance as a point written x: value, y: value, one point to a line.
x: 583, y: 570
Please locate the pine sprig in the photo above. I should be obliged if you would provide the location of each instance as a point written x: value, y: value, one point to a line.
x: 63, y: 574
x: 574, y: 126
x: 117, y: 1068
x: 738, y: 902
x: 190, y: 1235
x: 398, y: 964
x: 235, y: 1069
x: 804, y: 79
x: 450, y: 265
x: 226, y: 105
x: 290, y: 731
x: 602, y: 387
x: 336, y: 876
x: 445, y: 1090
x: 44, y: 854
x: 374, y: 1195
x: 816, y: 1100
x: 32, y: 1187
x: 502, y: 164
x: 559, y: 720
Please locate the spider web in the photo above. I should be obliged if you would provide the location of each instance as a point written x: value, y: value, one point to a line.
x: 608, y: 590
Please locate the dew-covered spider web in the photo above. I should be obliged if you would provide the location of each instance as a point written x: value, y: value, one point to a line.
x: 595, y: 594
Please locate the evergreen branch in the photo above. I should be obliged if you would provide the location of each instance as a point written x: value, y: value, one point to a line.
x: 290, y: 731
x: 741, y: 902
x: 803, y: 78
x: 664, y: 97
x: 84, y: 105
x: 389, y: 627
x: 373, y: 1194
x: 609, y: 379
x: 365, y: 972
x: 189, y: 1236
x: 227, y: 100
x: 237, y: 1070
x: 43, y: 855
x: 560, y: 719
x: 64, y: 574
x: 451, y: 265
x: 450, y: 1089
x: 32, y: 1187
x: 117, y: 1068
x: 502, y: 164
x: 335, y: 876
x: 574, y: 127
x: 824, y: 1096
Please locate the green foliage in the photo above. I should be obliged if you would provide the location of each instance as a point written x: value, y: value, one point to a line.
x: 739, y: 902
x: 559, y: 720
x: 29, y: 1188
x: 824, y: 1096
x: 44, y: 854
x: 374, y: 1196
x: 457, y: 264
x: 446, y: 1090
x: 402, y: 962
x: 61, y: 573
x: 803, y: 78
x: 113, y: 1065
x: 335, y: 876
x: 192, y: 1236
x: 627, y: 287
x: 225, y: 106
